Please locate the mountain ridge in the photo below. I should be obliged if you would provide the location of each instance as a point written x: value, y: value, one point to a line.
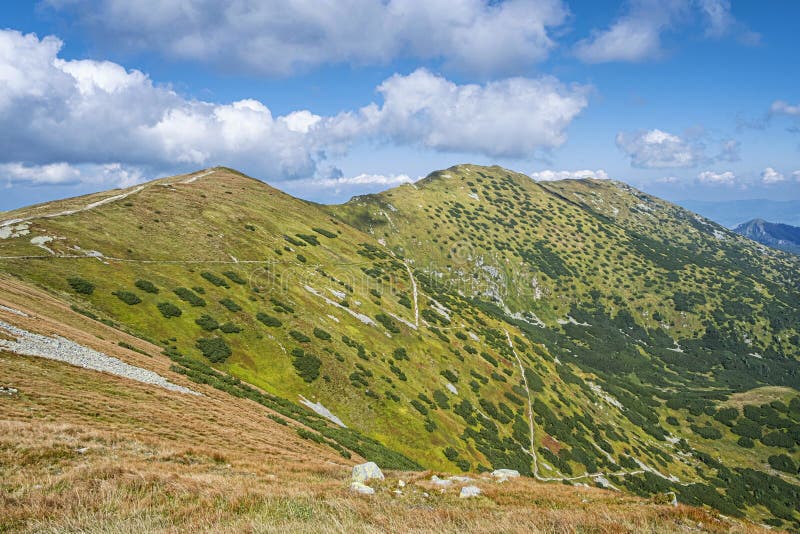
x: 426, y: 315
x: 776, y: 235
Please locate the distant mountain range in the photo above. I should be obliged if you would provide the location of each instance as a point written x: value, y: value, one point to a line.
x: 781, y: 236
x: 731, y: 213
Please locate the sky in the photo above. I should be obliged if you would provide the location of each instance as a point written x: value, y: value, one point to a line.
x: 685, y: 99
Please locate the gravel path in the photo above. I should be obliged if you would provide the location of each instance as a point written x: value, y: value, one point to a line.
x: 63, y: 350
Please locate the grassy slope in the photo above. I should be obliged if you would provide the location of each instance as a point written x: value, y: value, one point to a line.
x: 170, y: 232
x: 81, y: 450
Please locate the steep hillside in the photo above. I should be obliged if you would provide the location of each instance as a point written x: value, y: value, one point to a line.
x: 83, y: 451
x: 780, y: 236
x: 574, y: 331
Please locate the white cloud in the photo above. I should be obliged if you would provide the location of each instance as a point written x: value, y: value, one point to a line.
x: 506, y: 118
x: 51, y: 174
x: 729, y: 151
x: 657, y: 149
x: 718, y: 178
x: 668, y: 180
x: 551, y: 175
x: 279, y: 37
x: 90, y: 112
x: 364, y: 179
x: 779, y: 107
x: 796, y: 176
x: 637, y: 34
x: 771, y: 176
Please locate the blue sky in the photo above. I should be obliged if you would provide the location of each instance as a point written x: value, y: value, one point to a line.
x: 683, y: 98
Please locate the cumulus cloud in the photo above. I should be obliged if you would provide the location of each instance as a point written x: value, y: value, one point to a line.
x: 364, y: 179
x: 656, y: 149
x: 506, y: 118
x: 551, y: 175
x: 718, y: 178
x: 84, y: 112
x: 771, y: 176
x: 779, y: 107
x: 637, y: 34
x: 278, y: 37
x: 51, y: 174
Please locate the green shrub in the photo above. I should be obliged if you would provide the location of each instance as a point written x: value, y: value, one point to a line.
x: 322, y: 334
x: 784, y: 463
x: 326, y: 233
x: 83, y: 312
x: 400, y: 353
x: 168, y: 309
x: 127, y: 297
x: 310, y: 239
x: 206, y: 322
x: 299, y: 336
x: 146, y: 286
x: 778, y: 439
x: 214, y: 348
x: 387, y: 322
x: 230, y: 328
x: 189, y: 296
x: 268, y: 320
x: 746, y: 442
x: 708, y: 432
x: 307, y: 365
x: 214, y: 279
x: 230, y: 305
x: 235, y: 278
x: 79, y: 285
x: 450, y: 375
x: 301, y: 258
x: 419, y: 406
x: 450, y: 453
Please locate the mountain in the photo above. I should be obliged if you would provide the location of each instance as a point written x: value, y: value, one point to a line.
x: 731, y: 213
x: 780, y: 236
x: 577, y: 331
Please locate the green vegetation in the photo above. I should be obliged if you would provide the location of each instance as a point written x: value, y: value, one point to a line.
x: 127, y: 297
x: 146, y: 286
x: 168, y: 310
x: 214, y: 348
x: 268, y: 320
x: 306, y: 364
x: 79, y: 285
x: 206, y: 322
x: 642, y: 307
x: 189, y: 296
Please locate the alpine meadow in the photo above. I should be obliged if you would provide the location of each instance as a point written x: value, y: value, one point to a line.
x: 399, y: 266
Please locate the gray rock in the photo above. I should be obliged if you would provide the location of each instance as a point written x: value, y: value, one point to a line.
x: 507, y: 473
x: 469, y: 491
x: 367, y: 471
x: 363, y: 489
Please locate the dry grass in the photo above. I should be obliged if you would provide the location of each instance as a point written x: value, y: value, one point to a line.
x: 90, y: 452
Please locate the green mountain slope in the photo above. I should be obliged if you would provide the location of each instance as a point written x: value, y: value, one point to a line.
x: 578, y: 331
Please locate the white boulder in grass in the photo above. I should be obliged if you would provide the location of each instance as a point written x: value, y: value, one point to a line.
x: 469, y: 491
x: 504, y: 474
x: 367, y: 471
x: 363, y: 489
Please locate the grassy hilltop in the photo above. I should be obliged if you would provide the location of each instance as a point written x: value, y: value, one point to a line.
x: 577, y: 331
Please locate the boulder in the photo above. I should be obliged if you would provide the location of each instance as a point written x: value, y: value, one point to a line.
x: 442, y: 483
x: 505, y: 473
x: 363, y: 489
x: 367, y: 471
x: 469, y: 491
